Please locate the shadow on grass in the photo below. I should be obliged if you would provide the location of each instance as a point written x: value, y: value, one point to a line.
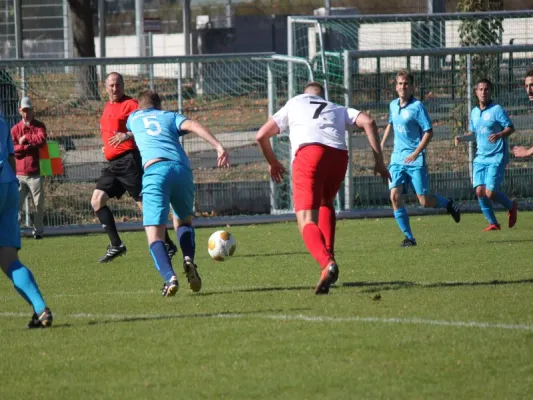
x: 117, y: 319
x: 373, y: 287
x: 289, y: 253
x: 257, y: 290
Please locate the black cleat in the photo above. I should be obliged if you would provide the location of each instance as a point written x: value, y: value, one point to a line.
x: 453, y: 210
x: 408, y: 242
x: 44, y: 320
x: 193, y: 277
x: 171, y: 248
x: 328, y: 277
x: 113, y: 252
x: 37, y: 236
x: 170, y: 288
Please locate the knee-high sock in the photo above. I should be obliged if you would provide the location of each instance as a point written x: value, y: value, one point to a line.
x: 327, y: 222
x: 161, y: 260
x: 186, y: 238
x: 442, y: 202
x: 402, y: 218
x: 504, y: 200
x: 487, y: 210
x: 314, y: 240
x: 25, y: 284
x: 107, y: 220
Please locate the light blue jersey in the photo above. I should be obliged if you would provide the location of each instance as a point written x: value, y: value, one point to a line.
x: 484, y: 123
x: 156, y: 133
x: 6, y: 149
x: 409, y: 123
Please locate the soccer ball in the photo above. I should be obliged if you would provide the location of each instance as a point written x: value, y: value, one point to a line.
x: 221, y: 245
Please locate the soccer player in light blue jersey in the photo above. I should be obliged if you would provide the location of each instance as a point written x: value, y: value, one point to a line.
x: 413, y: 131
x: 10, y: 243
x: 490, y: 127
x: 168, y: 180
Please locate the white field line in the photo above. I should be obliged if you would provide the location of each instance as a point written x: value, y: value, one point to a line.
x: 288, y: 317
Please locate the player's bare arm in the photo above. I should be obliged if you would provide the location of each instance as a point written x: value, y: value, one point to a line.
x: 468, y: 137
x: 365, y: 122
x: 386, y: 135
x: 500, y: 135
x: 521, y: 151
x: 268, y: 130
x: 205, y: 133
x: 428, y: 135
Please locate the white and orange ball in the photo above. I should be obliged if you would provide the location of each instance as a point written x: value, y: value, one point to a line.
x: 221, y: 245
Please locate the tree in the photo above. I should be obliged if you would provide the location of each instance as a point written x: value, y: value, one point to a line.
x: 83, y: 37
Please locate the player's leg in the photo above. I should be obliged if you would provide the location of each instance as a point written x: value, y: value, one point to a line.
x: 307, y: 186
x: 420, y: 182
x: 399, y: 180
x: 182, y: 201
x: 337, y: 164
x: 493, y: 181
x: 132, y: 181
x: 480, y: 176
x: 36, y: 185
x: 156, y: 198
x: 108, y: 187
x: 18, y: 273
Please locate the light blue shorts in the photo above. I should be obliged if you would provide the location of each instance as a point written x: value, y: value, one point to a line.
x: 489, y: 175
x: 9, y: 224
x: 167, y: 183
x: 409, y: 175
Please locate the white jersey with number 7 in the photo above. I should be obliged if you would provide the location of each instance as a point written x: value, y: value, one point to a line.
x: 311, y: 119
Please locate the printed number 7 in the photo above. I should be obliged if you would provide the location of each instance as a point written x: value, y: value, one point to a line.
x: 321, y: 106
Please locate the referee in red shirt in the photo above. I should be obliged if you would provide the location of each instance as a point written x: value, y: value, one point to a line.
x: 124, y: 172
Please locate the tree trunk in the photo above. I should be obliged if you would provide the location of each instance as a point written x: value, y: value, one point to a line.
x: 83, y: 35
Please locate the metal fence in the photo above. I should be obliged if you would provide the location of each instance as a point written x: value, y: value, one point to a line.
x: 230, y: 94
x: 444, y: 79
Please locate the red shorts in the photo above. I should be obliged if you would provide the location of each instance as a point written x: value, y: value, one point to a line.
x: 317, y: 174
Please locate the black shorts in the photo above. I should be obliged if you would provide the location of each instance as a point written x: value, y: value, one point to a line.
x: 123, y: 174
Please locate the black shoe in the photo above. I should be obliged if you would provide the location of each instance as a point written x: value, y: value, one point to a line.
x: 113, y: 252
x: 170, y: 288
x: 44, y: 320
x: 328, y: 277
x: 408, y: 242
x: 453, y: 210
x: 171, y: 248
x: 193, y: 277
x: 37, y: 236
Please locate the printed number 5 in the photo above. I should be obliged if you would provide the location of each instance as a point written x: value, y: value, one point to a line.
x: 321, y: 106
x: 152, y: 126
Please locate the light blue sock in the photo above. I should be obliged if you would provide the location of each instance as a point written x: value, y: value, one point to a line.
x: 442, y: 202
x: 161, y: 260
x: 25, y: 284
x: 402, y: 218
x: 486, y: 209
x: 504, y: 200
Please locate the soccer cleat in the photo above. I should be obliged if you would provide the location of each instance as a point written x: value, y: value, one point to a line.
x: 44, y: 320
x: 193, y: 277
x: 512, y: 215
x: 453, y: 210
x: 171, y: 248
x: 170, y: 288
x: 113, y: 252
x: 492, y: 227
x: 328, y: 277
x: 408, y: 242
x: 37, y: 236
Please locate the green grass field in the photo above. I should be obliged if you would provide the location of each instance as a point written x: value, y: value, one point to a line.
x: 454, y: 319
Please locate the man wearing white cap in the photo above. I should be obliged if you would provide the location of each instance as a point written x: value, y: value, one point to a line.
x: 28, y: 136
